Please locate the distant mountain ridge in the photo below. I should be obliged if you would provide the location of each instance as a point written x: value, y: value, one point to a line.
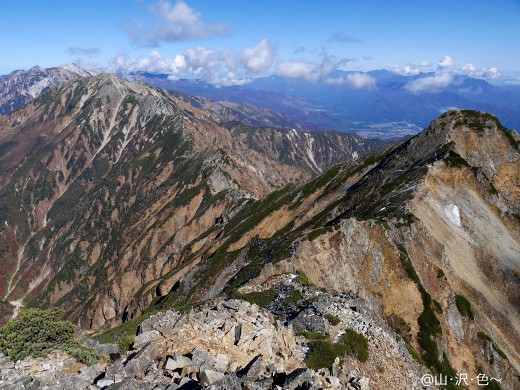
x: 386, y: 109
x: 21, y: 86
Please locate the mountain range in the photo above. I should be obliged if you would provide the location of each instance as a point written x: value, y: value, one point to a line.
x: 388, y: 107
x: 119, y: 200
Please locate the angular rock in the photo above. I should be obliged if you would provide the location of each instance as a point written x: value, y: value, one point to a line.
x: 146, y: 337
x: 232, y: 304
x: 336, y: 369
x: 102, y: 349
x: 26, y: 382
x: 137, y: 364
x: 177, y: 361
x: 201, y: 358
x: 362, y: 383
x: 126, y: 384
x: 102, y: 383
x: 228, y: 382
x: 221, y: 362
x: 208, y: 377
x: 309, y: 320
x: 298, y: 378
x: 263, y: 384
x: 253, y: 368
x: 111, y: 372
x: 184, y: 384
x: 334, y: 382
x: 189, y: 370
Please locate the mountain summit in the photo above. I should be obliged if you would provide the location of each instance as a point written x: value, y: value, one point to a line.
x: 21, y: 86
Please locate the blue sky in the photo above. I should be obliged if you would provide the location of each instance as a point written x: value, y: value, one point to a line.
x: 228, y: 41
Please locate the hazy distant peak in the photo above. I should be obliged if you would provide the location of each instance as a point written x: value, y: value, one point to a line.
x: 76, y: 69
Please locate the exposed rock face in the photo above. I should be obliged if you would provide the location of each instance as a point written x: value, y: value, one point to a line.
x: 390, y: 240
x: 119, y: 198
x: 222, y: 345
x: 112, y: 190
x: 57, y: 371
x: 234, y: 328
x: 21, y: 86
x: 314, y: 151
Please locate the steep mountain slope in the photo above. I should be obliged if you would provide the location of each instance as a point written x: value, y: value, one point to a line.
x: 425, y: 237
x: 244, y: 113
x: 117, y: 199
x: 21, y: 86
x: 107, y: 186
x: 314, y: 151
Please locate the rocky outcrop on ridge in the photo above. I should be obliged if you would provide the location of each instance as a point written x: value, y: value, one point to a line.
x: 21, y: 86
x: 228, y: 344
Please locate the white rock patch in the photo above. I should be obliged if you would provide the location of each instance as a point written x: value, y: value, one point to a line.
x: 452, y: 212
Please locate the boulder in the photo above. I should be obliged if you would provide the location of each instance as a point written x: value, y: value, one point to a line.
x: 208, y: 377
x: 309, y: 320
x: 221, y: 362
x: 227, y: 382
x: 102, y: 383
x: 262, y: 384
x: 184, y: 384
x: 126, y: 384
x: 101, y: 348
x: 189, y: 370
x: 299, y: 378
x: 146, y: 337
x: 201, y: 358
x: 177, y: 361
x: 253, y: 369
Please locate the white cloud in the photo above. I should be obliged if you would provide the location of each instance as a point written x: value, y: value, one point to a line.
x: 228, y: 79
x: 431, y: 83
x: 230, y: 57
x: 305, y: 70
x: 200, y: 60
x: 446, y: 62
x: 488, y: 73
x: 355, y: 80
x: 175, y: 22
x: 310, y: 71
x: 361, y: 80
x: 220, y: 68
x: 155, y: 63
x: 441, y: 70
x: 259, y: 58
x: 412, y: 69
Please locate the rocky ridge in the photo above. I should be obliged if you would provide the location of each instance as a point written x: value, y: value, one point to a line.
x: 404, y: 239
x: 413, y: 231
x: 21, y: 86
x: 224, y: 344
x: 107, y: 183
